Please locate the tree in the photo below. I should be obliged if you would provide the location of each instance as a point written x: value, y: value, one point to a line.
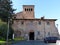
x: 6, y: 9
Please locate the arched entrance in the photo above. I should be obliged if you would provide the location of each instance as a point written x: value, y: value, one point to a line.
x: 31, y: 35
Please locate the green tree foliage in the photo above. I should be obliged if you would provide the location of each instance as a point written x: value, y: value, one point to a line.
x: 6, y: 9
x: 3, y: 31
x: 10, y: 32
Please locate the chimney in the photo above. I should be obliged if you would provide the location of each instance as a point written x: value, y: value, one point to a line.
x: 42, y: 17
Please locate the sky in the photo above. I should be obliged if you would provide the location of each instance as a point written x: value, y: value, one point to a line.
x: 48, y: 8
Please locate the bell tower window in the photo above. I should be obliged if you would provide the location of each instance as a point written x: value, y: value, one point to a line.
x: 28, y: 9
x: 31, y: 9
x: 25, y: 9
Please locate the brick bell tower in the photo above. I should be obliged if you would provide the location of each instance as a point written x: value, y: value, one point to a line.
x: 28, y: 11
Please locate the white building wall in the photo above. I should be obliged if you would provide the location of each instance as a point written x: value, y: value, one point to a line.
x: 33, y: 24
x: 43, y: 28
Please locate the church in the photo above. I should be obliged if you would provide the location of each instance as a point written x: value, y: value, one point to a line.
x: 30, y: 28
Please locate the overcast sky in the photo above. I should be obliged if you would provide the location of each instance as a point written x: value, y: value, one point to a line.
x: 48, y: 8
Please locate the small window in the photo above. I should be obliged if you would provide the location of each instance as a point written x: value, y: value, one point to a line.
x: 39, y: 22
x: 31, y: 9
x: 38, y: 33
x: 25, y: 9
x: 48, y: 23
x: 48, y: 33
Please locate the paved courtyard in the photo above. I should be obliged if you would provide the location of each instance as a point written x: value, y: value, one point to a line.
x: 33, y: 43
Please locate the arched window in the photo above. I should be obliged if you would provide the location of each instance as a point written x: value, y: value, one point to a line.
x: 48, y: 23
x: 25, y: 9
x: 39, y: 22
x: 31, y: 9
x: 38, y: 32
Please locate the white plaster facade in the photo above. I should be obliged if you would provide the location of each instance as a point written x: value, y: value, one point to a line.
x: 25, y: 22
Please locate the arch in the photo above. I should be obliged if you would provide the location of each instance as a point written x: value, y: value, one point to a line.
x: 31, y: 9
x: 25, y: 9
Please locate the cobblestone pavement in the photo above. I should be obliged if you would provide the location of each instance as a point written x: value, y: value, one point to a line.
x: 33, y: 43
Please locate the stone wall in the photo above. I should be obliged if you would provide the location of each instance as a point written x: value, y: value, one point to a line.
x: 34, y: 25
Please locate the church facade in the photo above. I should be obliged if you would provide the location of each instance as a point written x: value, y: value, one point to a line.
x: 31, y: 28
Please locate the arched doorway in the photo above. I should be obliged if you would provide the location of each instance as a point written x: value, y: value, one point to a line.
x: 31, y: 35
